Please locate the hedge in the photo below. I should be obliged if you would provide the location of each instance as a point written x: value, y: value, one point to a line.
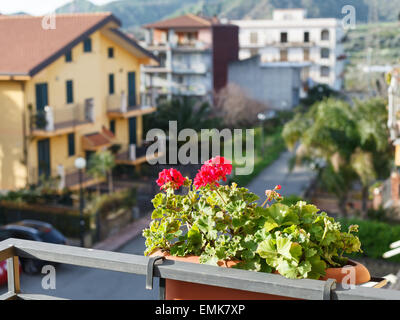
x: 63, y: 219
x: 375, y: 237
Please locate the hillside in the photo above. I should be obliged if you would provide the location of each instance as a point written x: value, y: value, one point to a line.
x: 134, y: 13
x: 383, y: 39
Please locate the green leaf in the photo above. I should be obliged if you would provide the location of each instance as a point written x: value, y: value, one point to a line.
x: 267, y: 250
x: 283, y: 246
x: 270, y: 224
x: 296, y: 251
x: 287, y: 269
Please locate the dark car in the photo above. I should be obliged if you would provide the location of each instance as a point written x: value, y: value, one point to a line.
x: 35, y: 231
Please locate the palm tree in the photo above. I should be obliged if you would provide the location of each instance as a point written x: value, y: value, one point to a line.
x: 352, y: 140
x: 100, y: 167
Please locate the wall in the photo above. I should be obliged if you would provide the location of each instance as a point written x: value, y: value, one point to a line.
x: 12, y: 170
x: 273, y: 86
x: 225, y: 50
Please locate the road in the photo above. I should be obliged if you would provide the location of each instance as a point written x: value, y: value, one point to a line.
x: 81, y: 283
x: 293, y: 183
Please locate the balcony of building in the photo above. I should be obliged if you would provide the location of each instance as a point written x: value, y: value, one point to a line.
x: 166, y: 270
x: 188, y: 89
x: 120, y: 106
x: 61, y: 177
x: 290, y: 44
x: 52, y: 121
x: 132, y: 154
x: 189, y: 68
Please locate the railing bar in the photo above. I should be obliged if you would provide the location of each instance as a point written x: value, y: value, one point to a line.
x: 8, y: 296
x: 29, y: 296
x: 6, y: 252
x: 13, y: 275
x: 364, y: 293
x: 196, y: 273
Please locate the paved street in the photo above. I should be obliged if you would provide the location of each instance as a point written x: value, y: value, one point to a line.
x: 294, y: 182
x: 86, y: 283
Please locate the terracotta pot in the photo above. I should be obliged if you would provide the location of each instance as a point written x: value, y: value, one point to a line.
x: 180, y: 290
x: 361, y: 273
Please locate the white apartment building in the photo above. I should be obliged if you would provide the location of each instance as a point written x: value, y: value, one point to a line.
x: 290, y: 36
x: 193, y: 54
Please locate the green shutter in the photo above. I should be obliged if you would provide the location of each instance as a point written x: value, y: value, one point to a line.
x: 70, y: 92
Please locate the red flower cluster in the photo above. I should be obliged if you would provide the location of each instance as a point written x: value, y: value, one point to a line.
x: 212, y: 171
x: 170, y: 178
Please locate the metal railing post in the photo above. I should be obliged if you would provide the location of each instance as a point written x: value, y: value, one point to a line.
x: 13, y: 275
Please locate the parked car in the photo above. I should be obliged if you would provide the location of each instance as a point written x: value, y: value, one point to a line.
x: 32, y: 230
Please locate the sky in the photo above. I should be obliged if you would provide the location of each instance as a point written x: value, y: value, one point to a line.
x: 36, y: 7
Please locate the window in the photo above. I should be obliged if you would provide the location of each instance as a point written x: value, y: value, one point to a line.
x: 324, y: 34
x: 306, y: 36
x: 111, y: 52
x: 70, y: 92
x: 111, y: 83
x: 284, y: 55
x: 112, y: 126
x: 306, y: 54
x: 325, y: 53
x: 253, y: 52
x: 284, y: 37
x: 71, y: 144
x: 325, y: 71
x: 254, y: 37
x: 68, y: 56
x: 87, y: 45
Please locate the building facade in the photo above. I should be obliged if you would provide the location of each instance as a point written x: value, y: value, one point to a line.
x: 194, y: 53
x: 277, y: 84
x: 291, y: 36
x: 66, y: 93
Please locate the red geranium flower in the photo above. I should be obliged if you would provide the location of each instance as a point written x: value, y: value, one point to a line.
x: 170, y: 178
x: 212, y: 171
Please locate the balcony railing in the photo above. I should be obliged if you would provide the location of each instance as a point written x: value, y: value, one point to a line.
x: 189, y: 68
x: 57, y: 119
x: 60, y: 178
x: 189, y: 90
x: 119, y: 106
x: 133, y: 154
x: 274, y: 284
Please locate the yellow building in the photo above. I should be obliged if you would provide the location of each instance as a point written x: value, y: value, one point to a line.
x: 69, y: 86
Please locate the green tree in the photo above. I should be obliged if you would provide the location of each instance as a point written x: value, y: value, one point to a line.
x: 100, y: 167
x: 350, y: 139
x: 189, y: 113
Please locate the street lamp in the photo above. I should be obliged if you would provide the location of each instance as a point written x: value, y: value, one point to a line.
x: 80, y: 164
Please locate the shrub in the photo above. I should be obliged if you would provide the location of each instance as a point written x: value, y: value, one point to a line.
x: 375, y: 237
x: 111, y: 203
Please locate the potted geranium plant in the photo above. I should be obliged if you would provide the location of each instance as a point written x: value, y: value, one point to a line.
x: 224, y: 225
